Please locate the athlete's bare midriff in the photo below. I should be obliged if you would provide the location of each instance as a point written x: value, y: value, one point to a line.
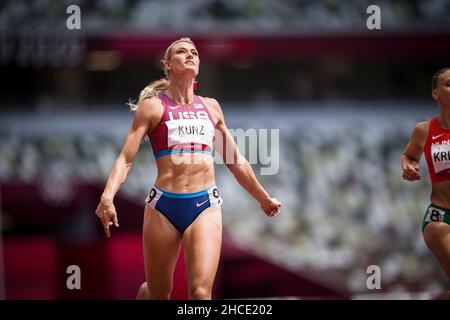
x: 440, y: 194
x: 185, y: 177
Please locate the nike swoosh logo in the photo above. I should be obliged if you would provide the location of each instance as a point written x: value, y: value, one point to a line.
x: 176, y: 107
x: 435, y: 137
x: 201, y: 203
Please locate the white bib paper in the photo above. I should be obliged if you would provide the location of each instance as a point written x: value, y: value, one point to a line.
x: 434, y: 215
x: 440, y: 155
x: 182, y: 131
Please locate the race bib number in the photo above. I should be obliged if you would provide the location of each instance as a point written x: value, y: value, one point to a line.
x: 440, y: 154
x: 180, y: 131
x: 434, y: 215
x: 214, y: 197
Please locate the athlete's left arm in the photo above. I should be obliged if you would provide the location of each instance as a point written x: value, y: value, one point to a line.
x: 238, y: 165
x: 410, y: 160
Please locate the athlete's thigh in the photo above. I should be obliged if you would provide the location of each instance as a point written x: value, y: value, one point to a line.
x: 202, y: 241
x: 162, y: 244
x: 437, y: 238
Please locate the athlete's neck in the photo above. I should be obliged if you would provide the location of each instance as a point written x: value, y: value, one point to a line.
x: 444, y: 118
x: 181, y: 90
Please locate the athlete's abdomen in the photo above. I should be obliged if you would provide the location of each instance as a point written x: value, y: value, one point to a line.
x: 440, y: 194
x: 185, y: 172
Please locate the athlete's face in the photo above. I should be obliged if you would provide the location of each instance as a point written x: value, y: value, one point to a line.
x: 442, y: 92
x: 183, y: 59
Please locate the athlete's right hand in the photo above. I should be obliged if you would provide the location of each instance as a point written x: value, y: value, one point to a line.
x: 107, y: 214
x: 411, y: 172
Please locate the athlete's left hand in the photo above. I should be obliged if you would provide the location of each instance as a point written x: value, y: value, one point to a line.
x: 271, y: 207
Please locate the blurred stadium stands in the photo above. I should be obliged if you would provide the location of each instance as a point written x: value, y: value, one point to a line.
x: 345, y: 204
x: 344, y: 98
x: 244, y: 15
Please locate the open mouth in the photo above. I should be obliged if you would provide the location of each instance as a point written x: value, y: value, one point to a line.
x: 190, y: 62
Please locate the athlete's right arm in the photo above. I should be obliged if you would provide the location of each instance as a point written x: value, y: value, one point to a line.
x: 147, y: 115
x: 413, y: 151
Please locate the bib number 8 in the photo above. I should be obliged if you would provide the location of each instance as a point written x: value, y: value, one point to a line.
x: 435, y: 215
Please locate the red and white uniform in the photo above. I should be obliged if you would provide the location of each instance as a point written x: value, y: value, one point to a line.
x: 437, y: 152
x: 188, y: 127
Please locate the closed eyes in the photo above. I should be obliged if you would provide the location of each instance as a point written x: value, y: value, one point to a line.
x: 182, y: 50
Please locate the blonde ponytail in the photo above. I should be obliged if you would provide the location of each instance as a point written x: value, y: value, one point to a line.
x: 151, y: 90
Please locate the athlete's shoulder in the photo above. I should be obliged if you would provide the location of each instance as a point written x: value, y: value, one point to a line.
x: 420, y: 131
x: 154, y: 101
x: 214, y: 108
x: 422, y: 127
x: 211, y: 101
x: 422, y: 124
x: 149, y: 111
x: 213, y: 104
x: 151, y: 106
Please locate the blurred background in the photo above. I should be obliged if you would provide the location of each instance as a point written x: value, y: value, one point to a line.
x: 344, y: 98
